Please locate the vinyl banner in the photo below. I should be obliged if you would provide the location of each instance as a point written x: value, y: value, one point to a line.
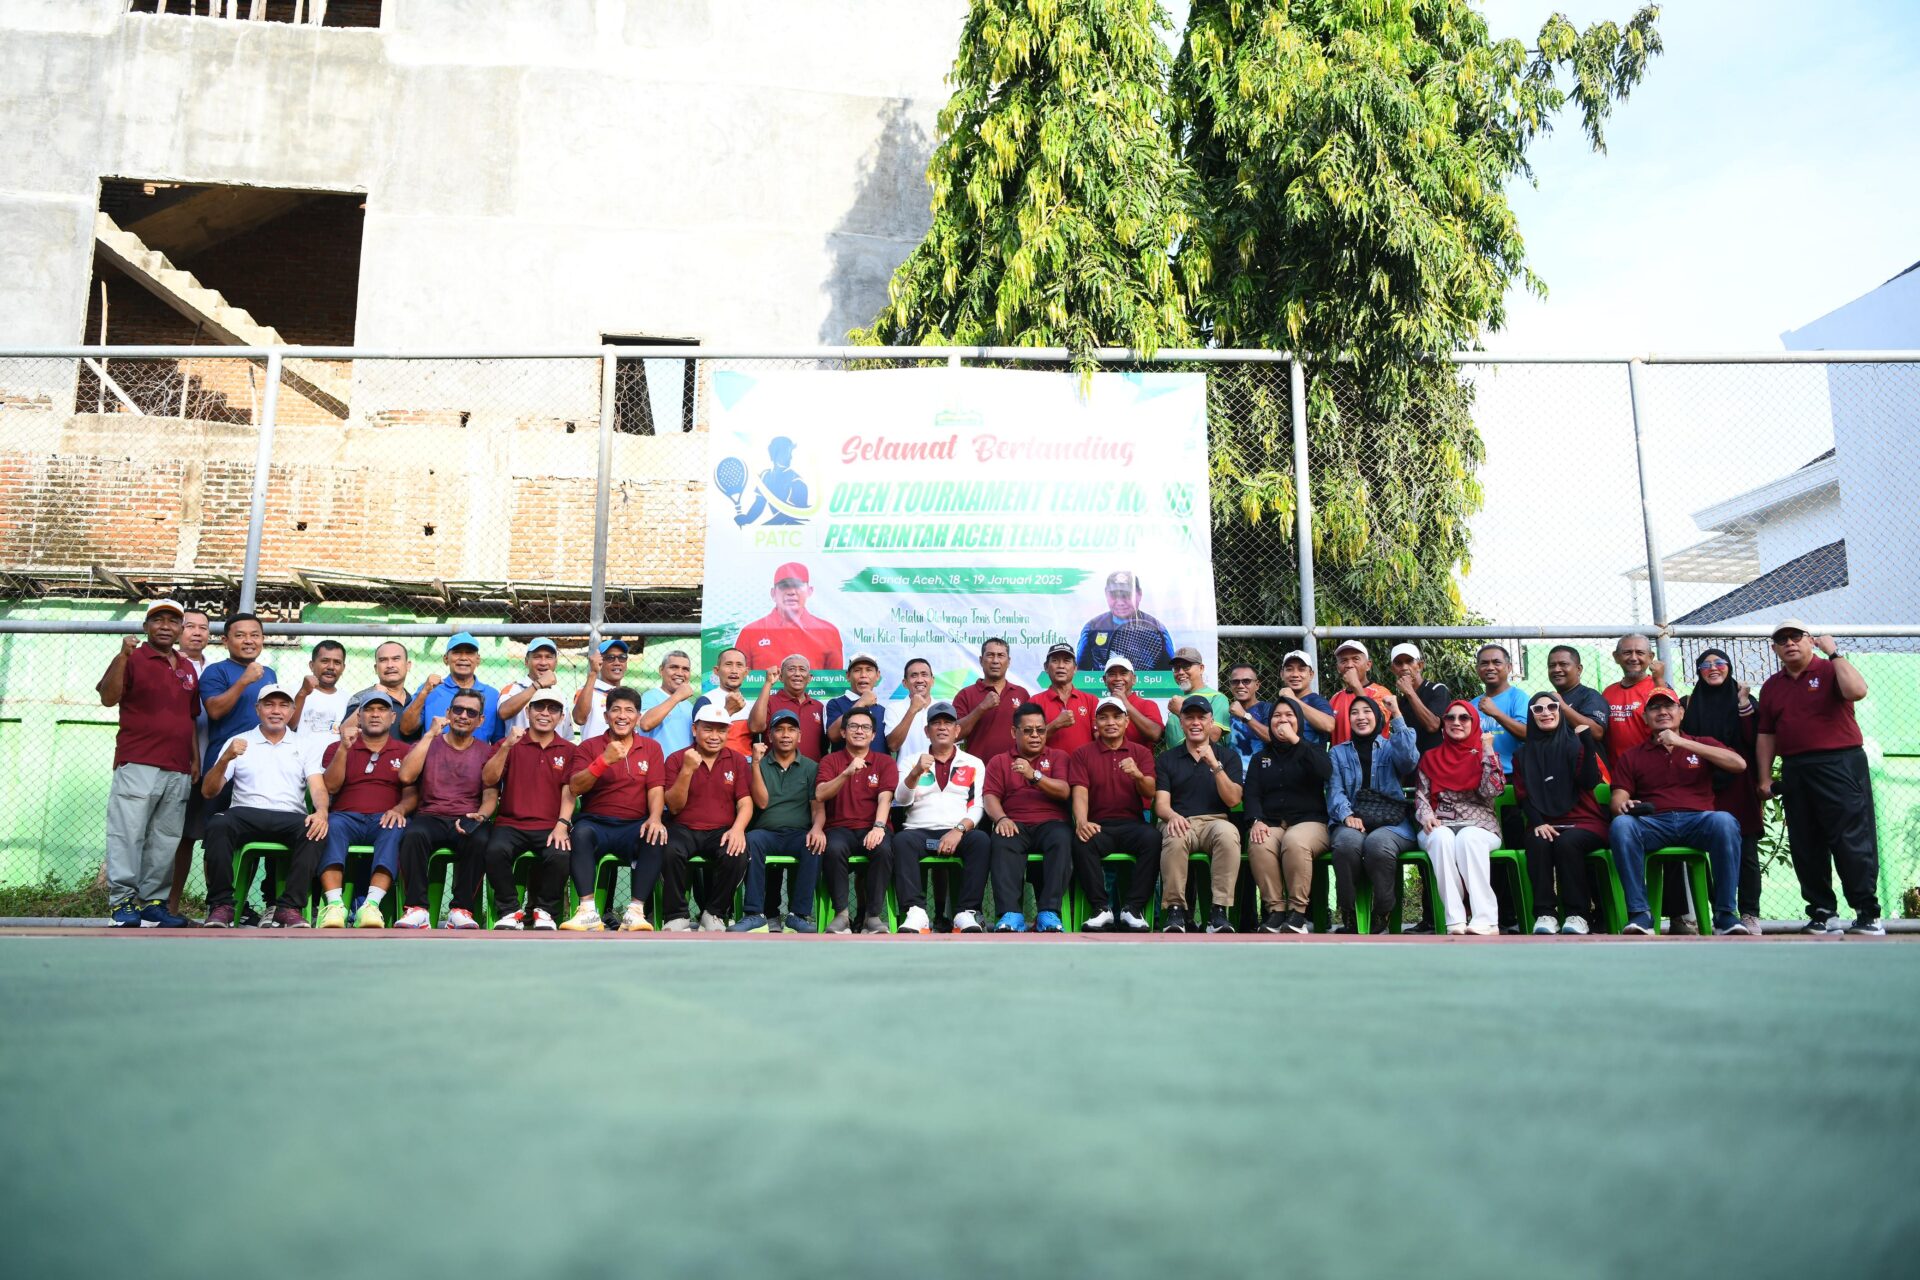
x: 917, y: 512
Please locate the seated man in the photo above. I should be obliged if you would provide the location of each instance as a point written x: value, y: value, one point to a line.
x: 1112, y: 781
x: 621, y: 777
x: 1027, y: 801
x: 532, y: 770
x: 273, y: 774
x: 370, y: 806
x: 454, y: 809
x: 856, y: 785
x: 1194, y: 790
x: 711, y: 796
x: 940, y: 795
x: 1662, y: 796
x: 787, y: 822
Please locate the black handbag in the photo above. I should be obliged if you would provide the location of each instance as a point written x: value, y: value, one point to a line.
x: 1377, y: 809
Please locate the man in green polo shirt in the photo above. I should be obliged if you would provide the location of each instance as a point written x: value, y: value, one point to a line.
x: 788, y: 820
x: 1190, y: 673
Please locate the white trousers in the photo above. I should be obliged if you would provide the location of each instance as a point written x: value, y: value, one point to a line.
x: 1460, y: 862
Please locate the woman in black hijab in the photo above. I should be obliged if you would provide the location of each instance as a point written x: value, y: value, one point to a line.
x: 1555, y: 770
x: 1722, y: 708
x: 1285, y: 804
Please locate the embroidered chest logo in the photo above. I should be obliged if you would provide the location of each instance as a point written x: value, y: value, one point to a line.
x: 728, y: 775
x: 1813, y: 682
x: 1693, y: 761
x: 873, y: 780
x: 559, y: 762
x: 644, y: 766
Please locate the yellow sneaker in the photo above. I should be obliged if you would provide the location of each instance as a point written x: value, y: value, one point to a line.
x: 332, y: 916
x: 635, y: 921
x: 369, y: 917
x: 585, y: 920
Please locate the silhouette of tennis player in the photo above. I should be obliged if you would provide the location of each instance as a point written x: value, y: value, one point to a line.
x: 779, y: 486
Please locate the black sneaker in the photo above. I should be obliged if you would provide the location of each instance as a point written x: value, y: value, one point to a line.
x: 1821, y: 922
x: 1274, y: 922
x: 1177, y: 921
x: 1297, y: 922
x: 1217, y: 921
x: 1341, y: 926
x: 1510, y: 930
x: 1422, y: 925
x: 1868, y: 927
x: 249, y: 919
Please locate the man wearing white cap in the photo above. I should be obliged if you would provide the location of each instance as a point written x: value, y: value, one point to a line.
x: 542, y: 659
x: 1297, y: 673
x: 711, y: 797
x: 534, y: 772
x: 1144, y: 722
x: 154, y: 764
x: 274, y: 773
x: 1355, y: 666
x: 1422, y: 701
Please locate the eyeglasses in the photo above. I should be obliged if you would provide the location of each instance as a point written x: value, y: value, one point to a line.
x: 462, y: 712
x: 1240, y: 680
x: 1713, y: 664
x: 1546, y: 709
x: 1458, y: 719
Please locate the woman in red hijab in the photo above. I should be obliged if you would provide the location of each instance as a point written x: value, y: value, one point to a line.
x: 1453, y: 800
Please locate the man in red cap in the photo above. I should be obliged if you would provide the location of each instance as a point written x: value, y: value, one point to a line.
x: 790, y: 628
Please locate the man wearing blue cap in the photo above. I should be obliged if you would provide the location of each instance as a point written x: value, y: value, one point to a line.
x: 608, y: 662
x: 433, y: 697
x: 542, y: 657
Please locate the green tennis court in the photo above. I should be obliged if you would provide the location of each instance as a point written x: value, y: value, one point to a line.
x: 337, y: 1105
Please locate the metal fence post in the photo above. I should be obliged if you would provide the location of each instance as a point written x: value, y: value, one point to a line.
x: 602, y: 496
x: 1656, y: 575
x: 262, y: 472
x: 1303, y: 508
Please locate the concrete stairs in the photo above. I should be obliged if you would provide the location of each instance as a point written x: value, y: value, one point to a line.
x: 323, y: 385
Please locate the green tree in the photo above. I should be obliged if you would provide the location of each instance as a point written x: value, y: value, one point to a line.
x: 1057, y: 192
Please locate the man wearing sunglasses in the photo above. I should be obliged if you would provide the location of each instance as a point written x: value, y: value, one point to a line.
x: 370, y: 807
x: 455, y: 807
x: 1250, y: 715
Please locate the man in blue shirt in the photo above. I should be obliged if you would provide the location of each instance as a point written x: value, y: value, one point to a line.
x: 1503, y: 711
x: 666, y: 713
x: 435, y: 694
x: 1124, y: 629
x: 1250, y: 715
x: 227, y: 690
x: 1296, y: 672
x: 863, y: 673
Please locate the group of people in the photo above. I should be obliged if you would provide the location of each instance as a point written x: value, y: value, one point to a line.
x: 712, y: 795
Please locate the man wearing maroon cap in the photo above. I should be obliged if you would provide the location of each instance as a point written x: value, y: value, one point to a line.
x: 790, y: 628
x: 987, y: 705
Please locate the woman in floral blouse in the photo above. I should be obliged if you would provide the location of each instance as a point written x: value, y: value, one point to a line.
x: 1458, y: 782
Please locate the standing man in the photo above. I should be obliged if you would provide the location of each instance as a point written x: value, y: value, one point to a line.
x: 1807, y: 719
x: 1190, y: 673
x: 863, y: 673
x: 390, y: 667
x: 1069, y: 709
x: 1422, y: 701
x: 666, y: 713
x: 1355, y: 666
x: 907, y: 739
x: 196, y: 629
x: 1124, y: 630
x: 939, y: 793
x: 532, y: 770
x: 322, y: 703
x: 790, y: 627
x: 1626, y: 698
x: 1028, y: 802
x: 370, y: 807
x: 1112, y: 782
x: 228, y: 688
x: 787, y: 822
x: 1250, y: 715
x: 607, y: 671
x: 987, y: 705
x: 711, y: 796
x: 543, y: 660
x: 1298, y: 674
x: 1581, y: 707
x: 856, y: 784
x: 455, y: 805
x: 1145, y: 725
x: 154, y: 765
x: 1674, y: 775
x: 1194, y: 790
x: 1503, y: 708
x: 796, y: 676
x: 431, y: 700
x: 274, y: 773
x: 729, y: 675
x: 622, y: 778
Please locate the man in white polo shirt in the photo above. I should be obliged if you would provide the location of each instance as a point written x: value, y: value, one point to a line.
x: 274, y: 772
x: 941, y: 792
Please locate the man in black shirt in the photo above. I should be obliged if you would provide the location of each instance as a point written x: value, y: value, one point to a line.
x: 1421, y: 700
x: 1580, y: 706
x: 1194, y: 790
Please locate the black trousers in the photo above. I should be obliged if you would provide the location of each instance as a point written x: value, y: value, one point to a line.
x: 845, y: 843
x: 426, y: 834
x: 910, y: 887
x: 1053, y: 841
x: 1749, y: 875
x: 231, y: 828
x: 1142, y: 840
x: 1829, y: 801
x: 723, y: 875
x: 504, y: 847
x: 594, y: 838
x: 1563, y: 858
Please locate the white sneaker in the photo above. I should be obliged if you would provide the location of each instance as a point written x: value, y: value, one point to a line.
x: 1457, y: 930
x: 1096, y: 923
x: 541, y: 920
x: 635, y: 921
x: 585, y: 920
x: 414, y: 918
x: 1481, y: 929
x: 916, y: 921
x: 459, y: 918
x: 1546, y: 924
x: 711, y: 923
x: 1574, y: 924
x: 1133, y: 922
x: 679, y: 924
x: 967, y: 922
x: 512, y: 920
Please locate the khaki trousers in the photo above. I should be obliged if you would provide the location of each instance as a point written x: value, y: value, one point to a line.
x: 1213, y: 834
x: 1283, y: 863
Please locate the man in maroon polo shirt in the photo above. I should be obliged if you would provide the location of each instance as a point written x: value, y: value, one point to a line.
x: 711, y: 796
x: 1806, y: 718
x: 856, y: 783
x: 532, y: 767
x: 789, y: 693
x: 621, y: 777
x: 1112, y: 782
x: 1069, y: 709
x: 370, y: 807
x: 154, y: 766
x: 1027, y: 802
x: 987, y: 705
x: 1145, y: 724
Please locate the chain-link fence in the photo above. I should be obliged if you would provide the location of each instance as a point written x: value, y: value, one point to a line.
x: 1507, y: 501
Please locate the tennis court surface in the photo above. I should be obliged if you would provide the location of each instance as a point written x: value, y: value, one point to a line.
x: 192, y: 1106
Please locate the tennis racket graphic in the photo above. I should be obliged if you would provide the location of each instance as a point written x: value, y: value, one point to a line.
x: 730, y: 477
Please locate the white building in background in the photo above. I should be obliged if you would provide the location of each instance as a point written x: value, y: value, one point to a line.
x: 1836, y: 539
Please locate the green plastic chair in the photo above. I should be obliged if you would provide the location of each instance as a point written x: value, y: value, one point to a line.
x: 1613, y: 897
x: 1320, y: 903
x: 1513, y: 862
x: 1699, y: 876
x: 246, y: 858
x: 823, y: 904
x: 1082, y: 909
